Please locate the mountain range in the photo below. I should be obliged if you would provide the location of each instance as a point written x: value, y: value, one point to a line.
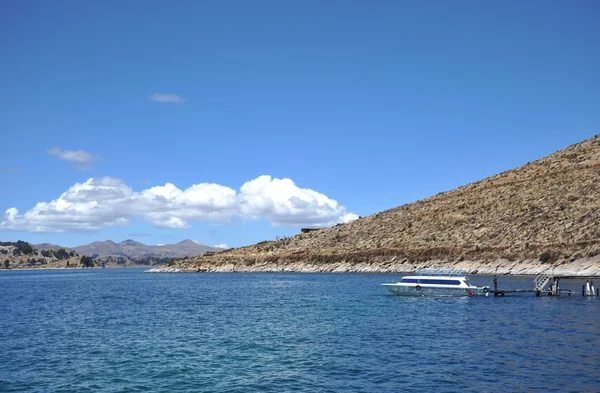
x: 132, y: 249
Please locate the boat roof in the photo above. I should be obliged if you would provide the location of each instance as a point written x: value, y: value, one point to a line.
x: 435, y: 278
x: 441, y: 272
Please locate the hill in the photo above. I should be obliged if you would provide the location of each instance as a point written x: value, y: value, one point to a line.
x: 543, y: 214
x: 20, y: 254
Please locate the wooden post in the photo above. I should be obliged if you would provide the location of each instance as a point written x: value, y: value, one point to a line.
x: 495, y: 286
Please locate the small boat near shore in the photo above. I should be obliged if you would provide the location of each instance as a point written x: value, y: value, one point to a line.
x: 436, y: 282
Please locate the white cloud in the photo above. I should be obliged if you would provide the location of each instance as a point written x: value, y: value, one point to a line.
x: 81, y: 158
x: 166, y: 98
x: 106, y: 201
x: 285, y: 204
x: 348, y: 217
x: 222, y: 245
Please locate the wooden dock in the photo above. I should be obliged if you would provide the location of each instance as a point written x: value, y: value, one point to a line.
x: 554, y: 289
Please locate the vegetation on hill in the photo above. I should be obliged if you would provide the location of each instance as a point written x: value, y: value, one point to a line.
x: 21, y: 254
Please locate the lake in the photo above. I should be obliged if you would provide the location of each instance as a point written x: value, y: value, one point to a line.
x: 120, y: 330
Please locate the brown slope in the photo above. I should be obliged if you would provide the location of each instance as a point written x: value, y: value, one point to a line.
x: 548, y: 206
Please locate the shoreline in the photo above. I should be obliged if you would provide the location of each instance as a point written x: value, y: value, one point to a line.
x: 584, y: 267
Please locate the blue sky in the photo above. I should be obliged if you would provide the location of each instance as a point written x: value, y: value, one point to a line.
x: 161, y: 121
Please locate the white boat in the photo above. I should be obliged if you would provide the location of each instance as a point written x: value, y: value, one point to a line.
x: 436, y: 282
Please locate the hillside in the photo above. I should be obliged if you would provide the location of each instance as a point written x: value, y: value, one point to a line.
x: 543, y: 214
x: 20, y: 254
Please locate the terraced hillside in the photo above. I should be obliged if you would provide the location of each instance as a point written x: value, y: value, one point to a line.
x: 545, y: 212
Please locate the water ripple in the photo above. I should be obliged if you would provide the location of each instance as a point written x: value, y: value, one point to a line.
x: 124, y: 331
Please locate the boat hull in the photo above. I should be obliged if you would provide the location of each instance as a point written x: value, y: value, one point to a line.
x: 425, y: 290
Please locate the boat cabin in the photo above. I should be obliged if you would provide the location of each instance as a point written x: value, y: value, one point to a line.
x: 437, y: 277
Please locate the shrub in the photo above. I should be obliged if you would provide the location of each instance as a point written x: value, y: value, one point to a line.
x: 87, y: 261
x: 61, y: 254
x: 24, y: 247
x: 548, y: 256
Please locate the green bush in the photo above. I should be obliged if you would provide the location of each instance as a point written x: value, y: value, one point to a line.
x: 61, y: 254
x: 545, y: 256
x: 87, y: 261
x: 24, y: 247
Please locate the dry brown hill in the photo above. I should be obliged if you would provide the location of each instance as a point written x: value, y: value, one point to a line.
x: 546, y: 211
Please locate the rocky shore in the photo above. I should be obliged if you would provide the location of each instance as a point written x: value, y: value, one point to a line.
x: 584, y: 267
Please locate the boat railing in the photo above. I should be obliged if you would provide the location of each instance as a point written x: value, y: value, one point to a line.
x: 440, y: 272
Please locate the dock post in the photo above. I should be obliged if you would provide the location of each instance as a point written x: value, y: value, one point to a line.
x: 587, y: 288
x: 495, y: 286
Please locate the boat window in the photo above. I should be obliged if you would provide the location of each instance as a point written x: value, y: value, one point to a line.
x: 430, y: 281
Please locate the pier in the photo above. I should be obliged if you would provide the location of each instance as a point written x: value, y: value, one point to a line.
x: 543, y: 279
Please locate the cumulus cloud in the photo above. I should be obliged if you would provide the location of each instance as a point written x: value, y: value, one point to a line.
x: 106, y: 201
x: 348, y: 217
x: 222, y: 245
x: 285, y: 204
x: 166, y: 98
x: 80, y: 158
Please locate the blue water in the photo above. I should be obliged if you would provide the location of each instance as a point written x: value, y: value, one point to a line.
x: 120, y: 330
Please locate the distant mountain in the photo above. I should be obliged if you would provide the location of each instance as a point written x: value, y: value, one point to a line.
x: 132, y: 249
x: 47, y: 246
